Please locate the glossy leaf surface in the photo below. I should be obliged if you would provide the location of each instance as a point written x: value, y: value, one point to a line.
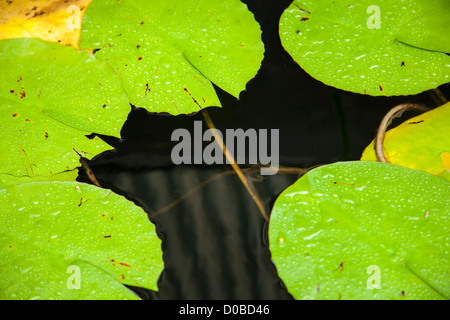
x: 343, y: 229
x: 169, y: 52
x: 386, y: 48
x: 48, y: 230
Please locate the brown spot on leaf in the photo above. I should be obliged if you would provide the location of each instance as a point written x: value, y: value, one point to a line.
x: 402, y: 293
x: 416, y: 122
x: 140, y: 58
x: 14, y: 115
x: 199, y: 80
x: 38, y: 13
x: 302, y: 10
x: 193, y: 99
x: 343, y: 183
x: 123, y: 264
x: 46, y: 134
x: 304, y: 19
x: 81, y: 201
x: 22, y: 94
x: 403, y: 64
x: 380, y: 87
x: 11, y: 91
x: 341, y: 267
x: 107, y: 236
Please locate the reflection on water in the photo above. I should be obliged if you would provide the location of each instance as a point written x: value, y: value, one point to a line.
x: 214, y: 238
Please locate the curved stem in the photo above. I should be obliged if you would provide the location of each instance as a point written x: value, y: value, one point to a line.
x: 387, y: 120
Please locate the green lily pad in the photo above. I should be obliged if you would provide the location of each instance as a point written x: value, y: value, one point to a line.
x: 51, y: 97
x: 53, y: 232
x: 421, y: 143
x: 7, y: 180
x: 169, y: 52
x: 363, y: 230
x: 340, y: 44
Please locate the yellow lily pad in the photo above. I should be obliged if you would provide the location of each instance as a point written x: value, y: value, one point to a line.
x: 421, y: 143
x: 50, y: 20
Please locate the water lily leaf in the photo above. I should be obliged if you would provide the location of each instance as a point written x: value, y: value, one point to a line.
x: 169, y: 52
x: 7, y: 180
x: 53, y: 232
x: 51, y: 20
x: 363, y: 230
x: 421, y: 143
x: 386, y: 48
x: 51, y: 97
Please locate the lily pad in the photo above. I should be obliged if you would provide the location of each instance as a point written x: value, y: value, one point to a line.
x: 51, y: 20
x: 421, y: 143
x: 169, y: 53
x: 363, y: 230
x: 51, y: 97
x: 386, y: 49
x: 7, y: 180
x: 53, y: 232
